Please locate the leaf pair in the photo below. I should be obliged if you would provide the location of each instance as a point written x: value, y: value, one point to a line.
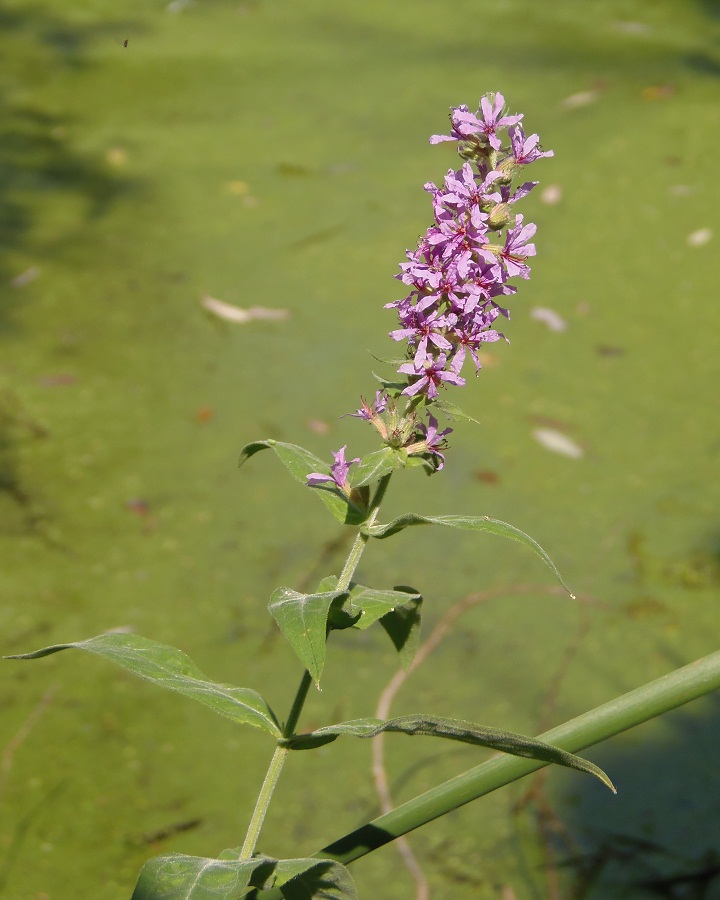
x: 306, y: 619
x: 301, y: 463
x: 172, y: 669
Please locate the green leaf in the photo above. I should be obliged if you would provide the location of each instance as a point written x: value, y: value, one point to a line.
x: 303, y: 620
x: 467, y: 523
x: 452, y: 412
x: 398, y: 612
x: 373, y: 466
x: 300, y: 463
x: 172, y: 669
x: 402, y: 625
x: 176, y: 876
x: 454, y: 730
x: 319, y: 879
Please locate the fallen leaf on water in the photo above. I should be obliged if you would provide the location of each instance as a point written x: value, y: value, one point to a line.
x: 557, y: 442
x: 205, y: 414
x: 582, y: 98
x: 318, y: 426
x: 116, y: 156
x: 238, y: 188
x: 657, y: 92
x: 26, y: 277
x: 551, y: 195
x: 487, y: 476
x: 549, y: 317
x: 699, y: 237
x: 230, y: 313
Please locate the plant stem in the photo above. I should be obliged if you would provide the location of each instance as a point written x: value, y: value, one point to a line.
x: 280, y: 755
x: 263, y: 801
x: 356, y: 551
x: 618, y: 715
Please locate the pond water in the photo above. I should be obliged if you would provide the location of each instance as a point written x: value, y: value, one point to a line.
x: 273, y: 155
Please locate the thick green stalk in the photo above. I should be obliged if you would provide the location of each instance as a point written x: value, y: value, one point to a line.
x: 625, y: 712
x: 280, y: 755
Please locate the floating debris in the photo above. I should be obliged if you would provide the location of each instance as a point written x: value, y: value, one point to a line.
x: 487, y: 476
x: 582, y: 98
x: 138, y: 507
x: 116, y: 156
x: 238, y: 188
x: 26, y: 277
x: 610, y: 350
x: 557, y: 442
x: 699, y: 237
x: 657, y: 92
x: 549, y: 317
x: 636, y: 28
x: 229, y: 313
x: 318, y: 426
x: 58, y: 379
x: 205, y: 414
x: 551, y: 195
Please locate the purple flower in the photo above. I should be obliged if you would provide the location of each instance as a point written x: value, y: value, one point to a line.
x: 430, y: 441
x: 369, y: 412
x: 516, y: 249
x: 430, y: 375
x: 466, y: 125
x: 492, y: 120
x: 434, y: 440
x: 338, y: 472
x: 525, y: 150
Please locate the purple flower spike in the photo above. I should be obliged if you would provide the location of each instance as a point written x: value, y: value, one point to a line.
x: 475, y: 246
x: 338, y: 472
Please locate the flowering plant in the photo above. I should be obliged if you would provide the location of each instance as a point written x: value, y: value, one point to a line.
x: 459, y: 277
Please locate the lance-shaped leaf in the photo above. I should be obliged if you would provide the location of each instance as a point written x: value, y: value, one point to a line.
x: 398, y: 612
x: 172, y: 669
x: 303, y: 619
x: 466, y: 523
x: 373, y: 466
x: 454, y: 730
x: 176, y: 876
x: 451, y: 411
x: 300, y: 463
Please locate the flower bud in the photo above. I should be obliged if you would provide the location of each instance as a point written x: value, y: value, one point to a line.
x: 499, y: 216
x: 475, y: 149
x: 509, y: 168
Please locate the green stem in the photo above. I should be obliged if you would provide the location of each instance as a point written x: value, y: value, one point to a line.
x: 625, y: 712
x: 263, y: 801
x: 280, y: 755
